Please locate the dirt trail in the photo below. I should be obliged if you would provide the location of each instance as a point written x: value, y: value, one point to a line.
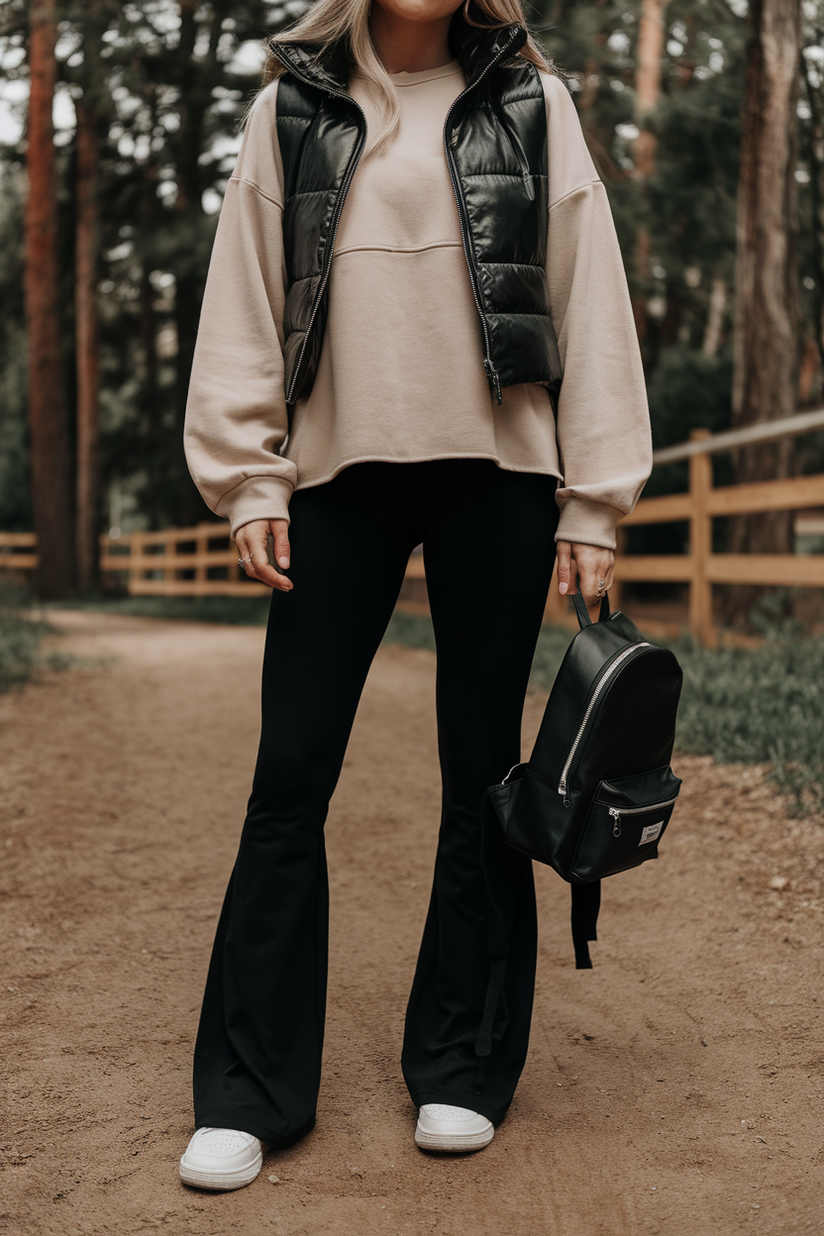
x: 674, y: 1089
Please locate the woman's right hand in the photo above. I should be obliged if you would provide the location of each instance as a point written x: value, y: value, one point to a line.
x: 251, y: 542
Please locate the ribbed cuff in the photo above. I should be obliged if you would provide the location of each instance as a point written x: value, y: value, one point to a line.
x: 588, y: 523
x: 258, y: 497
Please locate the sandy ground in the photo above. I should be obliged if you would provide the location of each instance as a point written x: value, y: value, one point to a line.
x: 673, y: 1089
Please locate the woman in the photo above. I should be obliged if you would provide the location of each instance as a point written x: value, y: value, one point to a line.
x: 416, y: 328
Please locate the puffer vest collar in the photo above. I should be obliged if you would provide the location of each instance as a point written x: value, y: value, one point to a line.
x: 495, y: 145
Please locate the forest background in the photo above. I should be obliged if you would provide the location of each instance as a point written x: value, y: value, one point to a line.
x: 148, y: 99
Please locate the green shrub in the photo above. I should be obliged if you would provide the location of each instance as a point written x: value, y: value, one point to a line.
x: 759, y: 705
x: 19, y: 639
x: 763, y: 705
x: 413, y: 630
x: 233, y: 611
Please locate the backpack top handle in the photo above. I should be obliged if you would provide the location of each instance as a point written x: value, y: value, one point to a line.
x: 581, y: 610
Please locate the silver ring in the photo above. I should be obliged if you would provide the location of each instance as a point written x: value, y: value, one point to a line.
x: 243, y: 561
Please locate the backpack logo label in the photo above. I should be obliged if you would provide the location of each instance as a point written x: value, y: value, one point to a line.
x: 651, y: 833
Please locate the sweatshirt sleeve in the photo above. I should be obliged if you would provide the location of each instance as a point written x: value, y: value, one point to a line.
x: 236, y: 420
x: 602, y: 423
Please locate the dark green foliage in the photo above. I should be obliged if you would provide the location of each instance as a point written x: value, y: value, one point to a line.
x: 169, y: 98
x: 688, y: 391
x: 762, y: 705
x: 15, y: 506
x: 413, y: 630
x: 232, y: 611
x: 20, y: 637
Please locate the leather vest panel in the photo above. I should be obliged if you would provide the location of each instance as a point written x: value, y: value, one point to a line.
x: 496, y: 149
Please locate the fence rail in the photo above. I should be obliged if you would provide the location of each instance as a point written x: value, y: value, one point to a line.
x: 700, y: 567
x: 191, y: 562
x: 202, y: 561
x: 18, y: 551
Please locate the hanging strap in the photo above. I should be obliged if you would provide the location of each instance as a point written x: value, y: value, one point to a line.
x: 586, y: 898
x: 586, y: 902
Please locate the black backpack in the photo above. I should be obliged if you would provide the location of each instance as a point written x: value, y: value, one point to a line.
x: 597, y: 792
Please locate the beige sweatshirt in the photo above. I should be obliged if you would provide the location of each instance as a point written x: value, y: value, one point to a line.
x: 401, y: 374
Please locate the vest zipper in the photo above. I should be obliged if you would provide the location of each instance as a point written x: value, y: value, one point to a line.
x: 599, y: 686
x: 489, y: 365
x: 333, y: 230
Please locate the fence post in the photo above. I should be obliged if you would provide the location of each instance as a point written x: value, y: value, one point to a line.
x: 168, y: 572
x: 202, y: 549
x: 135, y: 561
x: 701, y: 624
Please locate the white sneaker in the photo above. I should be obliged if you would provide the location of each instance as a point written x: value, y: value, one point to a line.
x: 221, y: 1159
x: 452, y: 1129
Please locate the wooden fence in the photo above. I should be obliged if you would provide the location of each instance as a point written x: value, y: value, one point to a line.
x: 18, y: 551
x: 699, y: 567
x: 202, y: 561
x: 178, y: 562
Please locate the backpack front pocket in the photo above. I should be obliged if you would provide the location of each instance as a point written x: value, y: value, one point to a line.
x: 625, y: 823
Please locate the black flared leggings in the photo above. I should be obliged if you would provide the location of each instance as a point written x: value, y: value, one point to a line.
x: 488, y: 538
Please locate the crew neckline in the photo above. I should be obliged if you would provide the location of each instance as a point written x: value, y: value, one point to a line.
x: 426, y: 75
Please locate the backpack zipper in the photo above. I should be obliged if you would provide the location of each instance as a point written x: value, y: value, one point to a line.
x: 617, y: 812
x: 599, y: 686
x: 333, y: 231
x: 491, y: 372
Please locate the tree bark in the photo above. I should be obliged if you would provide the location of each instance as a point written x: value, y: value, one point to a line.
x: 648, y: 55
x: 196, y: 81
x: 48, y: 418
x: 765, y: 384
x: 816, y: 158
x: 87, y: 347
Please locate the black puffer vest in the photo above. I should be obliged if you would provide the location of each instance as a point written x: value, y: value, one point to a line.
x: 495, y: 140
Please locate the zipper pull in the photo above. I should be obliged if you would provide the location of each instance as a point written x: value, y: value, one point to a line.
x: 615, y: 812
x: 562, y: 789
x: 494, y: 381
x: 529, y: 186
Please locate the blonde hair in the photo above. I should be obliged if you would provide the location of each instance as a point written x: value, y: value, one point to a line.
x: 347, y: 21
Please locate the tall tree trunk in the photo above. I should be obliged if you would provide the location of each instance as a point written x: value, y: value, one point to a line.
x: 196, y: 98
x: 87, y: 347
x: 765, y: 384
x: 816, y: 159
x: 648, y: 55
x: 649, y: 51
x: 48, y: 419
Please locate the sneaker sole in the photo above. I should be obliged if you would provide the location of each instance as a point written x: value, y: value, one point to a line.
x: 216, y: 1181
x: 453, y: 1143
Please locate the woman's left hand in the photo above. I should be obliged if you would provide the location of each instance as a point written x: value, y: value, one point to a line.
x: 583, y: 567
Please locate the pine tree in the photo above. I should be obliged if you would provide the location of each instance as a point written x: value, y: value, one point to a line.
x: 767, y: 314
x: 48, y: 420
